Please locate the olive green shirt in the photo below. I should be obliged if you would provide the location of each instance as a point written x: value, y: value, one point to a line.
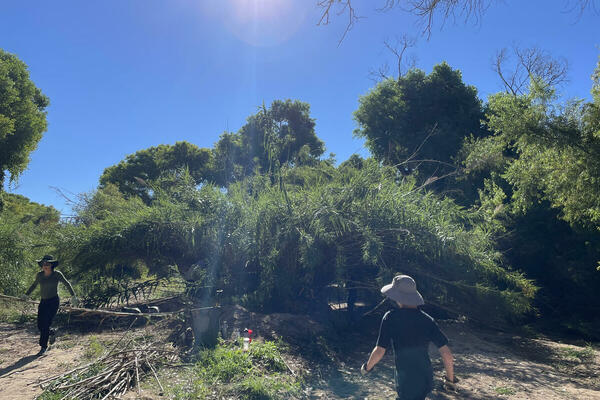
x: 49, y: 284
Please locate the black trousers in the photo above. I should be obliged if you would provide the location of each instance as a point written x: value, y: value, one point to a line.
x: 46, y: 312
x: 413, y: 386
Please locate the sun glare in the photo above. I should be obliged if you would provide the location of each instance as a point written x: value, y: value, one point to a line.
x: 264, y: 22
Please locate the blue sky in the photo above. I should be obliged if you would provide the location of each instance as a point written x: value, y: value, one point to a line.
x: 124, y: 75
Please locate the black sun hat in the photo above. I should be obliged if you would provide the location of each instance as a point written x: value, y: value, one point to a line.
x: 48, y: 259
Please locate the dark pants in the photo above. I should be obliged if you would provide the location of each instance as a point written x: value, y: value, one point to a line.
x: 412, y: 386
x: 46, y: 312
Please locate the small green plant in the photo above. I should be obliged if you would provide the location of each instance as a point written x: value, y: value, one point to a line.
x: 94, y: 348
x: 265, y: 387
x: 51, y: 396
x: 67, y: 341
x: 582, y: 354
x: 505, y: 390
x: 14, y: 315
x: 226, y: 371
x: 223, y: 363
x: 268, y: 355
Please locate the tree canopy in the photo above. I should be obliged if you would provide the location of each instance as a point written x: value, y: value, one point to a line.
x: 263, y: 218
x: 538, y: 176
x: 419, y: 121
x: 22, y: 116
x: 545, y: 151
x: 281, y: 244
x: 134, y: 175
x: 26, y: 232
x: 283, y: 134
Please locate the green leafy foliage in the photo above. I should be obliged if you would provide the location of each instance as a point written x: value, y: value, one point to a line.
x: 26, y: 230
x: 278, y: 243
x: 554, y: 153
x: 282, y: 134
x: 362, y: 225
x: 94, y: 348
x: 259, y: 374
x: 134, y: 175
x: 419, y: 121
x: 22, y: 117
x: 540, y: 172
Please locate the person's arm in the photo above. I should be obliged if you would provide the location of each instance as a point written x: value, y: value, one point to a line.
x: 448, y: 361
x: 383, y: 340
x: 441, y: 341
x: 64, y: 280
x: 32, y: 287
x: 376, y: 356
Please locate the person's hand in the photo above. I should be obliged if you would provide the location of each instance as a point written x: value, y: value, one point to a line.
x: 74, y: 301
x: 450, y: 385
x: 364, y: 370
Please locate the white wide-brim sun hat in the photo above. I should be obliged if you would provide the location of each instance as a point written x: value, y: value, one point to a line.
x: 403, y: 289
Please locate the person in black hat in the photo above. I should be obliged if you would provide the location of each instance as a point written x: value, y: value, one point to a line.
x: 408, y: 331
x: 48, y: 279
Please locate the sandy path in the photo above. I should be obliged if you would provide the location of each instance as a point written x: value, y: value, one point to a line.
x: 491, y: 365
x: 21, y: 369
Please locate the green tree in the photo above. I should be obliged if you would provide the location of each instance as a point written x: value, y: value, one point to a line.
x: 26, y: 229
x: 25, y: 210
x: 354, y: 161
x: 229, y: 155
x: 279, y: 244
x: 103, y: 204
x: 360, y: 225
x: 283, y: 134
x: 540, y: 170
x: 545, y: 152
x: 420, y: 121
x: 134, y: 175
x: 22, y: 117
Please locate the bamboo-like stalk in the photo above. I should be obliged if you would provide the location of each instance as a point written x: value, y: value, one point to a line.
x: 137, y: 376
x: 122, y: 369
x: 162, y: 390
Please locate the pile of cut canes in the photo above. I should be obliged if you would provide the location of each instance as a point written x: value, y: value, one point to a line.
x: 113, y: 374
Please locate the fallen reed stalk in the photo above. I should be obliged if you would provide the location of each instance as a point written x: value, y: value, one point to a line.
x: 111, y: 375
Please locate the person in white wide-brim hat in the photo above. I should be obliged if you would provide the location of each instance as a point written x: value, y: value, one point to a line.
x: 408, y: 331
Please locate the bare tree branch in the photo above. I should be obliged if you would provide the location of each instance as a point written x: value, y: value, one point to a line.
x: 64, y: 195
x: 381, y: 74
x: 581, y: 6
x: 428, y: 10
x: 346, y: 5
x: 507, y: 81
x: 530, y: 63
x: 398, y: 49
x: 424, y: 9
x: 540, y: 64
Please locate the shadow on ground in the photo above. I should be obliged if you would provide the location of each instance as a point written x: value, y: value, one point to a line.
x: 21, y: 363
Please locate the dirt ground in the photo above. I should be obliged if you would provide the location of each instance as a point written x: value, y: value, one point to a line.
x: 490, y: 364
x: 21, y: 369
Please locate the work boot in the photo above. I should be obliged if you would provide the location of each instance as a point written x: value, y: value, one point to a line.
x: 42, y: 351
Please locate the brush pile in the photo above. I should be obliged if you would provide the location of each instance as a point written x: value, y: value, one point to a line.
x: 112, y: 374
